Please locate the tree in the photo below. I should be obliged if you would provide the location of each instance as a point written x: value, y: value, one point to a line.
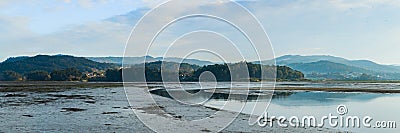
x: 256, y: 72
x: 366, y: 77
x: 220, y: 71
x: 114, y: 75
x: 37, y: 76
x: 69, y: 74
x: 58, y: 75
x: 10, y: 76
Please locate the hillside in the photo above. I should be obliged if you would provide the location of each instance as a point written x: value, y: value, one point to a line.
x: 50, y: 63
x: 290, y: 59
x: 331, y: 67
x: 326, y: 67
x: 364, y: 64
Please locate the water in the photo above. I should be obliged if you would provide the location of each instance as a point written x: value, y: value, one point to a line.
x: 379, y: 106
x: 350, y: 85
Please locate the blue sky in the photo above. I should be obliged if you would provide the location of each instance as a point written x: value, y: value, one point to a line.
x: 354, y: 29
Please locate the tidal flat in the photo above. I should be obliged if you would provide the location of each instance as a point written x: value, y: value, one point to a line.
x: 104, y: 107
x: 98, y: 107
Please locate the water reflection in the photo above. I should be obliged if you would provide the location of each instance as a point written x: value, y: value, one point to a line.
x: 380, y: 106
x: 310, y: 98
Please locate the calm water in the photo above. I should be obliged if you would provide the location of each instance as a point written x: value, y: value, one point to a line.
x: 381, y: 107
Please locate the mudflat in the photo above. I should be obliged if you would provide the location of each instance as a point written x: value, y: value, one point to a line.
x: 96, y: 107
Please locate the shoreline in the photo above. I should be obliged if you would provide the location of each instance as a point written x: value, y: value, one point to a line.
x: 62, y: 85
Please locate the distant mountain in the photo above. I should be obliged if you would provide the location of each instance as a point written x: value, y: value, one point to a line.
x: 290, y: 59
x: 326, y: 67
x: 49, y: 63
x: 364, y: 64
x: 139, y: 60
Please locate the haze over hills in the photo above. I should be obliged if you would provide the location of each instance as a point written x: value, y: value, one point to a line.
x: 324, y: 66
x: 331, y: 67
x: 364, y: 64
x: 139, y: 60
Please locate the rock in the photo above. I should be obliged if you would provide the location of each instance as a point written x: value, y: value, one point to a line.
x: 110, y: 113
x: 73, y: 109
x: 92, y: 102
x: 15, y: 95
x: 27, y: 115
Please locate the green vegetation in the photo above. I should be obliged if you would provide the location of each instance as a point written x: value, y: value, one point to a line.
x: 69, y: 74
x: 68, y: 68
x: 222, y: 72
x: 37, y: 76
x: 10, y: 76
x: 255, y: 72
x: 51, y: 63
x: 114, y: 75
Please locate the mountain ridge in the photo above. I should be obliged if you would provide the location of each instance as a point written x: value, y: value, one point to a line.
x: 365, y: 64
x: 325, y: 66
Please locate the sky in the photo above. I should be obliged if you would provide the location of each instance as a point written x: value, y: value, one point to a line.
x: 353, y: 29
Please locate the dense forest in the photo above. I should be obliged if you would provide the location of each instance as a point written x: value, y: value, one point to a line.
x: 242, y: 71
x: 69, y: 74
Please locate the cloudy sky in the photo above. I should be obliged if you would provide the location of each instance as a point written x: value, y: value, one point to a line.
x: 353, y: 29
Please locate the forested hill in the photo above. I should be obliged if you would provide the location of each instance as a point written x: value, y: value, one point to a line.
x: 241, y: 71
x: 51, y: 63
x: 256, y: 72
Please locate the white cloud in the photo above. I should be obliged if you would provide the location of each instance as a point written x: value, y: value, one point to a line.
x: 305, y: 26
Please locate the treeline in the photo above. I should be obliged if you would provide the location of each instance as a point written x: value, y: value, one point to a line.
x: 111, y: 75
x: 253, y: 72
x: 173, y: 72
x: 69, y: 74
x: 168, y: 72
